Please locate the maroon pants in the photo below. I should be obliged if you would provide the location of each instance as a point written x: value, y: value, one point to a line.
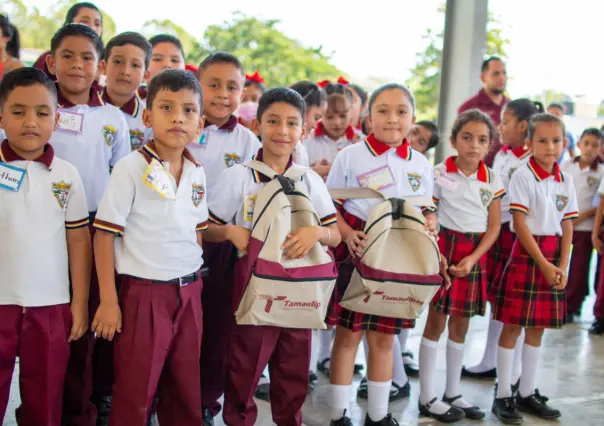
x: 599, y: 305
x: 578, y: 279
x: 38, y: 336
x: 287, y: 352
x: 158, y: 351
x: 217, y: 300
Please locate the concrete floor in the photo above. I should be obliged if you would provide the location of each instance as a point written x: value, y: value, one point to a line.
x: 571, y: 374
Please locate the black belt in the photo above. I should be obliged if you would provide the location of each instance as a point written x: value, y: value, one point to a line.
x: 181, y: 281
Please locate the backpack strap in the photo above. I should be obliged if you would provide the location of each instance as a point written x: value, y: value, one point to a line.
x: 358, y: 193
x: 260, y: 167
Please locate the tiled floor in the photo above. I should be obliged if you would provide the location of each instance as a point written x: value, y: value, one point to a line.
x: 571, y: 374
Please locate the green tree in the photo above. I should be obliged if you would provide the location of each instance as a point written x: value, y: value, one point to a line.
x: 425, y: 76
x: 193, y: 50
x: 549, y: 96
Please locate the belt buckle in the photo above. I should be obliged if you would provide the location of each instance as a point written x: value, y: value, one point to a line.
x: 181, y: 283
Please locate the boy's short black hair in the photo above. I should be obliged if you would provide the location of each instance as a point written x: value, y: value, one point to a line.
x: 129, y: 37
x: 174, y: 80
x: 283, y: 95
x: 75, y: 9
x: 167, y: 38
x: 592, y: 131
x: 487, y: 62
x: 435, y: 137
x: 556, y: 105
x: 25, y: 77
x: 76, y: 30
x: 220, y: 58
x: 312, y: 94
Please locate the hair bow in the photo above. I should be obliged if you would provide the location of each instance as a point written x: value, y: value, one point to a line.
x: 256, y: 77
x: 191, y: 68
x: 340, y: 80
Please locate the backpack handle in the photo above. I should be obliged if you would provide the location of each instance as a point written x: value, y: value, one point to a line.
x: 364, y: 193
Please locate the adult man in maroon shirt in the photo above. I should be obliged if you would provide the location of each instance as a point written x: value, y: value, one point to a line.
x: 490, y: 99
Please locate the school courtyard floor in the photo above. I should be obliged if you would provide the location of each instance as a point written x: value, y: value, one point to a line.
x: 571, y: 374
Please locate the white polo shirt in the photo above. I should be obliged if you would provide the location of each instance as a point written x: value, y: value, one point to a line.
x: 506, y: 162
x: 133, y: 113
x: 230, y: 202
x: 463, y: 201
x: 546, y: 199
x: 33, y: 221
x: 586, y: 183
x: 159, y: 233
x: 396, y: 172
x: 221, y: 148
x: 320, y: 146
x: 301, y: 155
x: 93, y: 138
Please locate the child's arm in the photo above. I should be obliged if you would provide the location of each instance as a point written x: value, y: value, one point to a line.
x: 583, y: 216
x: 108, y: 318
x: 355, y: 240
x: 238, y: 235
x: 298, y: 244
x: 595, y: 234
x: 565, y: 244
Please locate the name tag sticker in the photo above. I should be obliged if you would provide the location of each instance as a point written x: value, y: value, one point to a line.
x: 378, y: 179
x: 11, y: 177
x: 447, y: 182
x: 248, y: 208
x: 156, y: 177
x: 70, y: 122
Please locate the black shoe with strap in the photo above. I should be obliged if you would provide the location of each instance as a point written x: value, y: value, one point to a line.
x: 473, y: 412
x: 323, y: 366
x: 208, y: 418
x: 486, y: 375
x: 536, y: 404
x: 386, y: 421
x: 399, y: 392
x: 342, y: 421
x: 411, y: 370
x: 504, y: 410
x: 452, y: 415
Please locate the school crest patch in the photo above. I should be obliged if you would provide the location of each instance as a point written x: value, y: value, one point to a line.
x: 591, y: 181
x: 415, y: 181
x: 137, y: 138
x: 109, y: 134
x: 561, y: 202
x: 231, y: 159
x: 61, y: 192
x: 485, y: 196
x: 511, y: 172
x: 198, y: 191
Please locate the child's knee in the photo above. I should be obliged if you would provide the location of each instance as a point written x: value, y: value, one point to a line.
x: 458, y: 328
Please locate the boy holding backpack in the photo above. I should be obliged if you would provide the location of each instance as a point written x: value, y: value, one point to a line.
x: 286, y: 349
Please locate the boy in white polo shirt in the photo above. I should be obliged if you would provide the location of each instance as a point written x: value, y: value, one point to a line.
x: 92, y: 136
x: 45, y: 242
x: 223, y: 143
x: 156, y: 205
x: 126, y: 65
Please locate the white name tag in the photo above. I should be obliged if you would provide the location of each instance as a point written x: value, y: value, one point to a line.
x: 447, y: 182
x: 378, y: 179
x: 70, y: 122
x: 11, y: 177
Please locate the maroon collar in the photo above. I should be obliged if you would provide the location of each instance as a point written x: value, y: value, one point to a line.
x: 142, y: 92
x: 7, y: 154
x: 148, y: 152
x: 229, y: 126
x: 94, y: 100
x: 259, y: 177
x: 594, y: 164
x: 130, y: 107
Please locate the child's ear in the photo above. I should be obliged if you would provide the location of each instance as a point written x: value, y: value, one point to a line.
x: 1, y: 120
x: 243, y: 92
x: 147, y: 118
x: 529, y: 143
x: 523, y: 126
x: 202, y: 122
x: 255, y: 126
x: 51, y: 63
x: 453, y: 143
x: 146, y: 75
x: 103, y: 67
x: 57, y: 119
x: 304, y: 132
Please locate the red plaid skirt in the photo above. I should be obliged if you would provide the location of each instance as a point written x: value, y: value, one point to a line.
x: 524, y: 297
x: 498, y: 256
x: 467, y: 296
x: 357, y: 321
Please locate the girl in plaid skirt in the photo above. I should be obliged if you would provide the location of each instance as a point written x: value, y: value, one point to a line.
x: 531, y: 294
x: 468, y: 196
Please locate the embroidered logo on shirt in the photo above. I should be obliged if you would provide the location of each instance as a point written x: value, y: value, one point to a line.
x: 485, y: 196
x: 591, y: 181
x: 137, y: 138
x: 109, y: 134
x: 415, y: 181
x: 231, y: 159
x: 61, y: 192
x: 511, y: 172
x: 561, y: 202
x: 198, y: 192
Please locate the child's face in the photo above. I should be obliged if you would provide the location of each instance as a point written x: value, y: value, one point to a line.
x: 472, y: 142
x: 29, y: 117
x: 337, y: 120
x: 175, y: 118
x: 512, y: 131
x: 165, y: 56
x: 251, y: 93
x: 314, y: 114
x: 281, y: 127
x: 91, y: 18
x: 419, y: 138
x: 75, y: 63
x: 391, y: 116
x: 222, y: 85
x: 547, y: 144
x: 125, y: 69
x: 590, y: 147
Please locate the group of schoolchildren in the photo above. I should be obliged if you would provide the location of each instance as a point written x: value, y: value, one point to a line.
x: 147, y: 213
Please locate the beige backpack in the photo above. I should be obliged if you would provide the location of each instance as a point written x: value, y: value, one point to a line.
x: 399, y: 270
x: 282, y: 292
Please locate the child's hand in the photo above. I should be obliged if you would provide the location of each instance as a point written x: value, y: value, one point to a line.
x: 463, y: 268
x: 355, y: 240
x: 563, y: 280
x: 107, y: 320
x: 240, y: 237
x: 431, y: 225
x: 79, y: 315
x: 554, y: 275
x: 298, y: 244
x: 444, y: 272
x: 598, y: 244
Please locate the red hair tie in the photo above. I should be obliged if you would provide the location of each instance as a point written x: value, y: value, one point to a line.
x: 341, y: 80
x: 191, y: 68
x: 256, y: 78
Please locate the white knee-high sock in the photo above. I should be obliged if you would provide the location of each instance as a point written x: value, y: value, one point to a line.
x: 339, y: 400
x: 428, y: 351
x: 402, y: 339
x: 377, y: 399
x: 530, y: 365
x: 398, y: 368
x: 505, y: 361
x: 517, y: 370
x: 314, y: 351
x: 454, y: 363
x: 325, y: 338
x: 489, y: 357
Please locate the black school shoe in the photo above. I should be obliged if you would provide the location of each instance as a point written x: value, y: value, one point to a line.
x: 487, y: 375
x: 208, y: 418
x: 344, y: 421
x: 537, y: 406
x: 386, y: 421
x: 504, y: 410
x: 597, y: 327
x: 473, y: 412
x: 452, y: 415
x: 322, y: 366
x: 411, y: 370
x: 399, y: 392
x: 263, y: 392
x: 103, y: 407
